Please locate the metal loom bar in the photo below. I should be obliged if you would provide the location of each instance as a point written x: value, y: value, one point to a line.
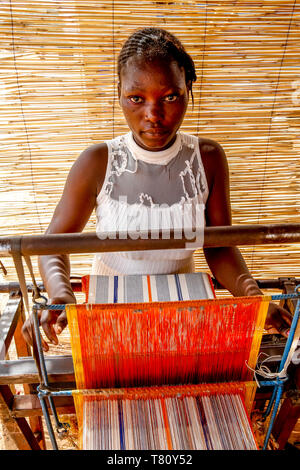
x: 233, y: 235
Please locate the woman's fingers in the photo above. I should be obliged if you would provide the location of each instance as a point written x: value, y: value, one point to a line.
x: 61, y: 323
x: 44, y: 345
x: 48, y: 320
x: 52, y: 324
x: 28, y: 332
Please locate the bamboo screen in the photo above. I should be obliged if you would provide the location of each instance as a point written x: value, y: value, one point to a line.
x: 58, y: 96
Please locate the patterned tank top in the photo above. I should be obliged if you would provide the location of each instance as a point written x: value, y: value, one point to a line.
x: 144, y: 192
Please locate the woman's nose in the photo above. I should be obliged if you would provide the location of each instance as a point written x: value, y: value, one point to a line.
x: 153, y: 112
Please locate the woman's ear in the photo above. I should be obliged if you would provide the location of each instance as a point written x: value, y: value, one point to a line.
x: 189, y: 86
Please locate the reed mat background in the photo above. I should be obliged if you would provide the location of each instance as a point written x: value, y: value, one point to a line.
x: 58, y: 96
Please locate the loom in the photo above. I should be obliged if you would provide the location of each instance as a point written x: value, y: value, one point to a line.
x: 184, y: 393
x: 126, y: 353
x: 142, y: 346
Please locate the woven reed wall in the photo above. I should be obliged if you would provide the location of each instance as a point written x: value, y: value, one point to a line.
x: 58, y: 96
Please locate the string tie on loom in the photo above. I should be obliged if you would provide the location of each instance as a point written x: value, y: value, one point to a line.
x: 265, y: 372
x: 292, y: 355
x: 282, y: 375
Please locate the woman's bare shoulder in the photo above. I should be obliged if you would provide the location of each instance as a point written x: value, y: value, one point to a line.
x: 209, y: 146
x: 213, y: 158
x: 92, y: 163
x: 95, y: 155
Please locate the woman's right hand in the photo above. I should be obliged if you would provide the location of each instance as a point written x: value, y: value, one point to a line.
x: 52, y: 322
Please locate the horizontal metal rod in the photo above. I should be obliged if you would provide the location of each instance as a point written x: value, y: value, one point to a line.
x: 234, y: 235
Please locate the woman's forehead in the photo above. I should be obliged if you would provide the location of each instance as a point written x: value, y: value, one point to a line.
x: 139, y: 73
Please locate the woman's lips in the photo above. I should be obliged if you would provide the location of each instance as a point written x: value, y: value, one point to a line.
x: 155, y: 133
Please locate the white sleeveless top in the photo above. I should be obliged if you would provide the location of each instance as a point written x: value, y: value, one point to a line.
x: 145, y: 191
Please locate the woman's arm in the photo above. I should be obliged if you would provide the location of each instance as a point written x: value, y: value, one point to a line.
x: 227, y: 264
x: 70, y: 216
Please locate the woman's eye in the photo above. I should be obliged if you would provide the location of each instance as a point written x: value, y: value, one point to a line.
x: 135, y: 99
x: 171, y: 98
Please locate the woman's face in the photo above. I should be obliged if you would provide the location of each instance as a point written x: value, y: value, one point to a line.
x: 154, y: 97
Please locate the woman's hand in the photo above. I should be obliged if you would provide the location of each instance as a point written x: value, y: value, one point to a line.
x: 278, y: 320
x: 52, y: 321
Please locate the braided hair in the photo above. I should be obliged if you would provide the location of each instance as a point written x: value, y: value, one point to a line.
x: 153, y: 43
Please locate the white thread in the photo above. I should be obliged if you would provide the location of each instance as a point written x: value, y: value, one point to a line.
x: 296, y: 356
x: 263, y: 370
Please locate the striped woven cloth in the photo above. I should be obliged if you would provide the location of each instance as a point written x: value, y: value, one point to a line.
x: 142, y: 288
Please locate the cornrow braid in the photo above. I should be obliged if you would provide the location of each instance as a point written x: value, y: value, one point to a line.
x: 152, y: 43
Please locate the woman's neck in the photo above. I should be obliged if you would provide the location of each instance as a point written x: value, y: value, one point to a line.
x: 155, y: 150
x: 160, y: 157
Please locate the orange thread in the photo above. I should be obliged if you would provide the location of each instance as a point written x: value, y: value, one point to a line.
x: 166, y: 423
x: 149, y: 288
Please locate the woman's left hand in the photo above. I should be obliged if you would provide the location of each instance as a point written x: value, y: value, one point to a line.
x: 278, y: 320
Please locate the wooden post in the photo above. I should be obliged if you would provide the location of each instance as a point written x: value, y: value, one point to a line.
x: 14, y: 408
x: 23, y: 350
x: 18, y: 428
x: 289, y: 413
x: 286, y: 420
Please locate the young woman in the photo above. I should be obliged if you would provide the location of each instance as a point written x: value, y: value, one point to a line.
x: 153, y: 165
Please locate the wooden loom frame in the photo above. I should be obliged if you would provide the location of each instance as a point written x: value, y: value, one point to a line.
x: 15, y: 408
